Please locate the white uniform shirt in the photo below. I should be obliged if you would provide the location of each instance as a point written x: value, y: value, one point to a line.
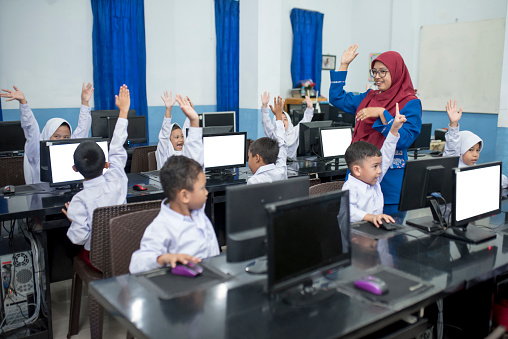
x: 368, y: 199
x: 106, y: 190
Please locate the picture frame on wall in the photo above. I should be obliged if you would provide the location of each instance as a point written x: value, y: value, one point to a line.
x: 328, y: 62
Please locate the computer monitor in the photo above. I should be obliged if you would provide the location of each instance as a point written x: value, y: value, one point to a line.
x: 422, y: 141
x: 219, y: 119
x: 218, y: 130
x: 57, y: 159
x: 334, y: 141
x: 246, y: 218
x: 309, y: 136
x: 307, y: 237
x: 12, y: 137
x: 136, y: 129
x: 223, y: 151
x: 100, y: 121
x: 423, y: 182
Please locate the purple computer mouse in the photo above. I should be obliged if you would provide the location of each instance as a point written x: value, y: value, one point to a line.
x: 372, y: 284
x: 187, y: 270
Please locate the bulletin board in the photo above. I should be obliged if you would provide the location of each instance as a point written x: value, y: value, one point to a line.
x: 461, y: 61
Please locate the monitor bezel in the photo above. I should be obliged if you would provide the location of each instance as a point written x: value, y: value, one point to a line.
x: 301, y: 142
x: 321, y: 142
x: 204, y: 114
x: 9, y: 125
x: 227, y: 166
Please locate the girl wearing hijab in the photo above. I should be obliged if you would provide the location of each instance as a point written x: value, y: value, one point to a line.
x: 171, y: 136
x: 375, y: 110
x: 55, y: 129
x: 292, y: 133
x: 464, y: 144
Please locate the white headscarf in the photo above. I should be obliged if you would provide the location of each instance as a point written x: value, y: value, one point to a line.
x: 171, y: 144
x: 467, y: 140
x: 51, y: 127
x: 291, y: 133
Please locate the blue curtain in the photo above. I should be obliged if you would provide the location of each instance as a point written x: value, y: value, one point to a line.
x: 227, y: 29
x: 307, y: 46
x: 119, y: 55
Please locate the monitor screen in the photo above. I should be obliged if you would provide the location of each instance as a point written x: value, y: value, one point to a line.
x: 246, y: 218
x: 136, y: 130
x: 224, y: 150
x: 100, y: 121
x: 422, y: 141
x: 335, y: 141
x: 219, y: 119
x: 12, y: 137
x: 217, y: 130
x: 309, y: 136
x: 307, y: 236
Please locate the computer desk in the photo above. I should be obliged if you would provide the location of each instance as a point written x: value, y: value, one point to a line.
x: 241, y: 307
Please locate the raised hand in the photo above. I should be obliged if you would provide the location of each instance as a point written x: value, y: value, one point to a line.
x: 168, y: 100
x: 14, y: 95
x: 123, y: 101
x: 453, y: 115
x: 398, y: 121
x: 347, y: 57
x: 188, y: 110
x: 308, y: 101
x: 278, y: 103
x: 190, y: 102
x: 265, y: 98
x: 86, y: 93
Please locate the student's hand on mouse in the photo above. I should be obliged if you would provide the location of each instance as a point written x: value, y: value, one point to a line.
x: 308, y: 101
x: 398, y: 121
x: 377, y: 219
x: 173, y: 258
x: 14, y: 95
x: 265, y: 98
x: 188, y: 110
x: 86, y: 93
x: 348, y: 56
x: 453, y: 114
x: 278, y: 104
x: 123, y: 101
x: 64, y: 210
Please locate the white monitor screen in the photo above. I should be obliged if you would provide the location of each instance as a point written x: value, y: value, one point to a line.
x: 62, y: 159
x: 224, y: 150
x: 335, y: 141
x: 477, y: 191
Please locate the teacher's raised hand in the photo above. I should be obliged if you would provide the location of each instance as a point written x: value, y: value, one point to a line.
x: 347, y: 57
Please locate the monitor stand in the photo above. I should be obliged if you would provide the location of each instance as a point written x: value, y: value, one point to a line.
x: 416, y: 155
x: 258, y: 266
x: 307, y: 295
x: 430, y: 224
x: 469, y: 234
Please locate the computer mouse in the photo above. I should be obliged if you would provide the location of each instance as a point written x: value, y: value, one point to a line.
x: 387, y: 226
x: 187, y: 270
x: 372, y: 284
x: 139, y: 187
x: 9, y: 189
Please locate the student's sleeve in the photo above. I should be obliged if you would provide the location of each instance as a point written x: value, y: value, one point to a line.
x: 79, y: 231
x: 281, y: 140
x: 307, y: 115
x: 411, y: 128
x: 151, y: 247
x: 117, y: 153
x: 347, y: 102
x: 84, y: 123
x: 452, y: 144
x: 186, y: 125
x: 267, y: 123
x: 32, y: 136
x: 504, y: 181
x: 194, y: 145
x: 355, y: 214
x: 388, y: 153
x: 164, y: 147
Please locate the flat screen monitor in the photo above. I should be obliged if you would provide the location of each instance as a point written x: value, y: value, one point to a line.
x: 12, y: 137
x: 219, y: 119
x: 246, y: 218
x: 217, y: 130
x: 422, y: 141
x: 226, y: 150
x: 100, y: 121
x: 309, y: 136
x: 136, y: 130
x: 334, y: 141
x: 57, y: 159
x: 307, y: 237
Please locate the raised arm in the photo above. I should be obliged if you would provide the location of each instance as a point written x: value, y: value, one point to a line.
x: 390, y: 143
x: 452, y: 145
x: 85, y: 118
x: 309, y: 111
x: 266, y: 122
x: 194, y: 143
x: 279, y: 131
x: 117, y: 153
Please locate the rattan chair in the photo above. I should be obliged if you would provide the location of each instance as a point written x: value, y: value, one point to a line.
x: 140, y: 158
x: 314, y: 182
x: 152, y: 161
x: 326, y: 187
x: 100, y: 257
x: 11, y: 171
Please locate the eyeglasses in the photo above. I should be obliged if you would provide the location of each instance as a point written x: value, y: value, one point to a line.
x: 382, y: 72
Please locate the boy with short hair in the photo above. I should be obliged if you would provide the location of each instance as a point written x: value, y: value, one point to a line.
x: 368, y: 166
x: 99, y: 190
x: 181, y: 232
x: 267, y: 157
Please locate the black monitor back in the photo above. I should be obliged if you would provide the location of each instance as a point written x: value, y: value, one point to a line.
x: 136, y: 130
x: 246, y: 219
x: 422, y: 141
x: 100, y: 121
x: 309, y: 136
x: 217, y: 130
x: 12, y: 137
x: 219, y: 119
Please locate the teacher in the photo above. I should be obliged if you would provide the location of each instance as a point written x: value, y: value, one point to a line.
x: 375, y: 110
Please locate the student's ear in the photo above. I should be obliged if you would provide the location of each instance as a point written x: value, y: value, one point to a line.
x: 106, y: 165
x: 74, y: 168
x: 357, y: 170
x: 184, y: 196
x: 257, y: 159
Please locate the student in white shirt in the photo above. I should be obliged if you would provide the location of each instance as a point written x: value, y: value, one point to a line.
x: 99, y: 190
x: 368, y: 166
x: 292, y: 133
x: 55, y: 129
x: 267, y: 157
x: 465, y: 144
x: 181, y: 232
x: 171, y: 136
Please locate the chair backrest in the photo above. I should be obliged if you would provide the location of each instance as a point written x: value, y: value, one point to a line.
x: 140, y: 158
x: 326, y: 187
x: 100, y: 253
x: 314, y: 181
x: 125, y: 235
x: 11, y: 171
x: 152, y: 161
